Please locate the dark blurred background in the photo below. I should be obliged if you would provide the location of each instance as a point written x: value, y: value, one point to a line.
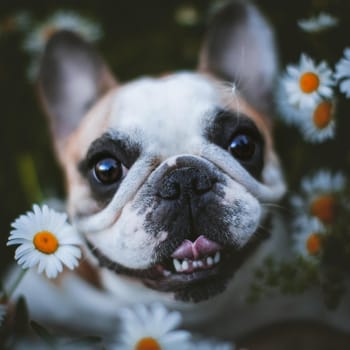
x: 145, y: 37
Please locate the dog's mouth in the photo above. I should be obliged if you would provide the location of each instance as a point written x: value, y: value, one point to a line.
x: 192, y: 261
x: 187, y: 266
x: 195, y: 271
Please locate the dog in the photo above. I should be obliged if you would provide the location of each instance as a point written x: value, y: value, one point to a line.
x: 170, y: 182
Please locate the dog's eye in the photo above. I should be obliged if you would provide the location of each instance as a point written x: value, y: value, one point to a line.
x: 243, y: 147
x: 107, y: 170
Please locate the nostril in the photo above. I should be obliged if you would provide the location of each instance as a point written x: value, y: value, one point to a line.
x: 169, y: 190
x: 202, y: 184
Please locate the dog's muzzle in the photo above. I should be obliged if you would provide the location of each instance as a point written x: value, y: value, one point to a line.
x: 271, y: 190
x: 197, y: 259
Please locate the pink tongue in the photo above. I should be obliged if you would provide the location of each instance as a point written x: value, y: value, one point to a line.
x: 193, y: 250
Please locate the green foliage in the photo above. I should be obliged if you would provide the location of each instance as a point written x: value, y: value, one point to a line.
x: 328, y: 271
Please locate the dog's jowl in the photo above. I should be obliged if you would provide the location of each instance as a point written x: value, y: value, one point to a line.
x: 169, y: 182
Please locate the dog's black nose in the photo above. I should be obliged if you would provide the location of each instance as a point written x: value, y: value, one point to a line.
x: 185, y: 181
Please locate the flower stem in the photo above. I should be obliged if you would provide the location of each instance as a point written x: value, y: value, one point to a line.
x: 16, y: 283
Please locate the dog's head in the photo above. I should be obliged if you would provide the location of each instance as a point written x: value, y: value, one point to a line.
x: 167, y: 177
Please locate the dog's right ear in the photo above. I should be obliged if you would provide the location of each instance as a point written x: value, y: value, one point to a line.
x: 72, y: 77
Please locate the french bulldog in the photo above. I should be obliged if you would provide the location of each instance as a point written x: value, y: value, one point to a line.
x: 170, y: 182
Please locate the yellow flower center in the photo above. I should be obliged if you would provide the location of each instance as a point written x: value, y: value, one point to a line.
x: 313, y: 244
x: 324, y: 207
x: 148, y: 344
x: 309, y: 82
x: 322, y: 114
x: 45, y: 242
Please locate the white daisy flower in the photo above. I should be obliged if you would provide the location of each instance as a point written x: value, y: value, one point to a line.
x: 37, y: 38
x: 146, y: 328
x: 318, y: 124
x: 319, y: 197
x: 45, y: 239
x: 308, y: 238
x: 307, y: 84
x: 342, y: 73
x: 318, y: 23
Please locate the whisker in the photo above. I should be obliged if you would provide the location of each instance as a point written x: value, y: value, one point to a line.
x: 278, y: 207
x: 231, y: 88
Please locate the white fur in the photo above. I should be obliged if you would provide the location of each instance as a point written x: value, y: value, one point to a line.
x: 249, y: 213
x: 168, y: 111
x: 126, y: 242
x: 71, y: 304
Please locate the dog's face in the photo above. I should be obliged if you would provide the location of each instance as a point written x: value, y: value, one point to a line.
x: 167, y: 177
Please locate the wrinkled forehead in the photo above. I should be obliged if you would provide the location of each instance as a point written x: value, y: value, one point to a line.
x: 168, y: 111
x: 164, y: 116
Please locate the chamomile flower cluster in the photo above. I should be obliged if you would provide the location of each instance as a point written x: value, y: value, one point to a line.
x: 45, y: 240
x: 306, y: 99
x: 316, y: 209
x: 151, y: 327
x: 321, y: 22
x: 306, y: 94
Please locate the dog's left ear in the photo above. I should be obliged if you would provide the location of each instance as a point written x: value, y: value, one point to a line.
x: 72, y: 77
x: 239, y: 47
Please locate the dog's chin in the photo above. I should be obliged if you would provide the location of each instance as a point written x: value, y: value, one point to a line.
x: 194, y: 280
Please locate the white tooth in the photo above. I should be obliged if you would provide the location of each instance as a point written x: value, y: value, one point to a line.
x: 200, y: 263
x: 195, y: 264
x: 210, y: 261
x: 185, y: 265
x: 177, y: 265
x: 217, y: 257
